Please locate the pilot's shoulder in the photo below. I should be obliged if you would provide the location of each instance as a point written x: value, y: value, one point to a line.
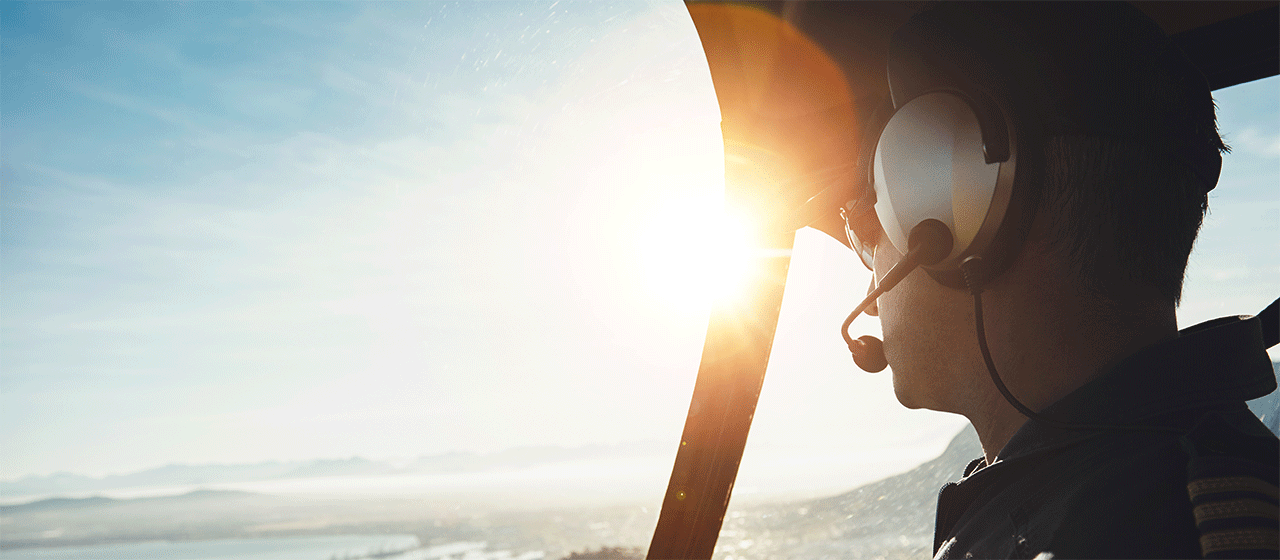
x: 1232, y: 483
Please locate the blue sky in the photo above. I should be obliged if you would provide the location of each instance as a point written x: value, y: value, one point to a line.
x: 334, y: 222
x: 235, y: 232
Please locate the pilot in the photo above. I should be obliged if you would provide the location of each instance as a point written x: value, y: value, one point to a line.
x: 1047, y: 165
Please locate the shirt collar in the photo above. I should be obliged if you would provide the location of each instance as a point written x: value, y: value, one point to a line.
x: 1215, y: 362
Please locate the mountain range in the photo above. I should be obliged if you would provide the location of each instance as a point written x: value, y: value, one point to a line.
x: 1267, y: 408
x: 890, y: 518
x: 179, y: 475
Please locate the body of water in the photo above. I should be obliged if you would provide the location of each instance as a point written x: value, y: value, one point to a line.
x: 328, y: 547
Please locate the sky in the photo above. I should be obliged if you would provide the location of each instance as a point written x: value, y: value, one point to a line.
x: 238, y: 232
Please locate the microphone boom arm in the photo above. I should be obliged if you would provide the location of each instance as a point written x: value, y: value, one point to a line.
x: 930, y: 242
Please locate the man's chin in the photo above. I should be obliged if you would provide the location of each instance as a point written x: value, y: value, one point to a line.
x: 907, y: 395
x: 916, y: 396
x: 911, y: 404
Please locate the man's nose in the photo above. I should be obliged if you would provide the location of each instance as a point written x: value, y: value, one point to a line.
x: 872, y: 309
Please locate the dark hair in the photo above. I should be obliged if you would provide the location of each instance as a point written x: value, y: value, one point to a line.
x: 1124, y: 212
x: 1130, y: 153
x: 1124, y: 123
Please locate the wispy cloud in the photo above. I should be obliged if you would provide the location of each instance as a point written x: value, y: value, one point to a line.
x: 1257, y: 142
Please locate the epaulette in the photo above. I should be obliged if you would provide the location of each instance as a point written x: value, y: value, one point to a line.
x: 1231, y: 480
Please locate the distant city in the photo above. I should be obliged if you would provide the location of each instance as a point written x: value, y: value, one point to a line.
x: 889, y: 518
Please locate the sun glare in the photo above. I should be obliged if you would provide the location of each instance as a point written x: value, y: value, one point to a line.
x: 695, y: 253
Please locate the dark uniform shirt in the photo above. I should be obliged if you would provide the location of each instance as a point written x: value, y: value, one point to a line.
x: 1203, y: 481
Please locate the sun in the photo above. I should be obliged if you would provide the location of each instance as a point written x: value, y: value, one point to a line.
x: 694, y: 254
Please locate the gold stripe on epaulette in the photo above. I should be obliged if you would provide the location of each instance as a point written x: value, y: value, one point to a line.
x: 1236, y: 508
x: 1231, y: 484
x: 1240, y: 539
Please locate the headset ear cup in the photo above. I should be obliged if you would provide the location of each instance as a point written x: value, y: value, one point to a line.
x: 1020, y: 182
x: 930, y: 164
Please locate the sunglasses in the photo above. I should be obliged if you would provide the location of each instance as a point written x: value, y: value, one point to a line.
x: 862, y: 227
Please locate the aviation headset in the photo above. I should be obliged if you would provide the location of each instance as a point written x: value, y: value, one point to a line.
x: 953, y: 177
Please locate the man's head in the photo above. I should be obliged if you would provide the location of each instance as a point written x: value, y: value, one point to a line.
x: 1118, y: 150
x: 1112, y: 132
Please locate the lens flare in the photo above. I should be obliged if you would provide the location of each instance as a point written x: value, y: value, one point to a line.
x: 695, y: 254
